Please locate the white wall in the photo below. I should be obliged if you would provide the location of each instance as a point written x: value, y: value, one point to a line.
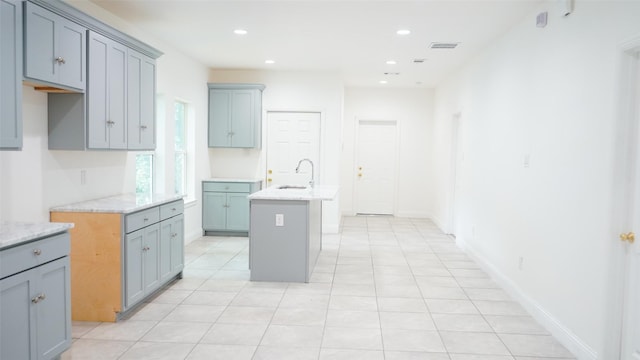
x: 549, y: 93
x: 413, y: 111
x: 36, y: 178
x: 290, y: 91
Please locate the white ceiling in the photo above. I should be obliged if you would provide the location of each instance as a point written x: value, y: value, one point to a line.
x: 355, y: 38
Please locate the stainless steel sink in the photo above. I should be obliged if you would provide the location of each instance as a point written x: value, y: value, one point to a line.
x: 299, y: 187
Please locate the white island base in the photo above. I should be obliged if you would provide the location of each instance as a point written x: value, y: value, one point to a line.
x: 285, y: 236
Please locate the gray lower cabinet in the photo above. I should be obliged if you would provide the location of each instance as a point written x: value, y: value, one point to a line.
x: 171, y: 247
x: 154, y: 250
x: 55, y: 49
x: 11, y: 74
x: 235, y: 115
x: 142, y: 263
x: 225, y: 206
x: 35, y: 311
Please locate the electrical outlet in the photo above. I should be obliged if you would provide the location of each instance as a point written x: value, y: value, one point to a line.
x: 279, y: 219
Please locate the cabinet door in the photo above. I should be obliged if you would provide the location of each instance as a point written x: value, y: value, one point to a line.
x: 70, y: 47
x: 17, y: 321
x: 242, y: 118
x: 54, y: 48
x: 53, y: 310
x: 219, y: 118
x: 117, y: 89
x: 177, y: 244
x: 134, y: 288
x: 141, y: 89
x: 150, y: 258
x: 10, y: 74
x: 237, y: 212
x: 40, y: 53
x: 165, y: 249
x: 214, y: 211
x: 106, y: 95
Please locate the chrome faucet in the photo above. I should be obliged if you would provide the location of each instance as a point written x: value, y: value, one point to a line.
x: 312, y: 176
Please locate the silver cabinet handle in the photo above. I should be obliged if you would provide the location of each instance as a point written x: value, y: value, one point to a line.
x: 146, y: 248
x: 146, y: 219
x: 173, y: 209
x: 143, y: 127
x: 37, y: 252
x: 60, y: 60
x: 111, y: 122
x: 38, y: 298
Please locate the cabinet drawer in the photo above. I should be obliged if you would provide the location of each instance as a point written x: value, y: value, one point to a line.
x: 26, y: 256
x: 171, y: 209
x: 141, y: 219
x: 227, y: 187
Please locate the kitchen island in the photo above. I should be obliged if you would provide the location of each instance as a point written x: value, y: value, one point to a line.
x: 285, y: 236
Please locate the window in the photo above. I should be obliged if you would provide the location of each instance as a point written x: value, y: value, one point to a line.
x: 180, y: 148
x: 144, y: 173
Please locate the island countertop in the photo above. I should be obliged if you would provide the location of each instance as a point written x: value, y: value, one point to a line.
x: 322, y: 192
x: 14, y: 233
x: 123, y: 204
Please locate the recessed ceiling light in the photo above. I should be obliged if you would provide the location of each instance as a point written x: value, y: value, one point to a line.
x: 403, y: 32
x: 240, y: 32
x: 391, y: 62
x: 269, y: 61
x: 383, y: 81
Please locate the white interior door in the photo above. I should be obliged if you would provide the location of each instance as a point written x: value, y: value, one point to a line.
x: 292, y: 136
x: 376, y: 167
x: 631, y: 312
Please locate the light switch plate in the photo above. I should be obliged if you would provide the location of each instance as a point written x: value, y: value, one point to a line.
x: 279, y: 219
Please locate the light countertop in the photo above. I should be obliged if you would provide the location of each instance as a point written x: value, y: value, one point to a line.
x: 232, y: 180
x: 13, y: 233
x: 124, y: 203
x: 321, y: 192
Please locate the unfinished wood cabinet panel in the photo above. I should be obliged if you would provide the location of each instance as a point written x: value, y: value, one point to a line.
x: 96, y: 265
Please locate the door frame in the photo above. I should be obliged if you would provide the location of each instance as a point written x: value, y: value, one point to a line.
x: 396, y: 157
x: 626, y: 173
x: 454, y: 172
x: 265, y: 140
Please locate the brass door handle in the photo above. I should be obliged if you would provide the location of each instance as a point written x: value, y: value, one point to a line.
x: 359, y: 175
x: 269, y: 180
x: 630, y: 237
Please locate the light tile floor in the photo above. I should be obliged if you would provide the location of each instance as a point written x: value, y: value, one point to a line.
x: 384, y: 288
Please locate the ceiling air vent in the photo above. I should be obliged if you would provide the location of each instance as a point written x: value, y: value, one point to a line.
x: 443, y: 45
x: 419, y: 61
x: 392, y: 73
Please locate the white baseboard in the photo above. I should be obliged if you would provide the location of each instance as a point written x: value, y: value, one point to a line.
x: 565, y: 336
x: 192, y: 235
x: 415, y: 215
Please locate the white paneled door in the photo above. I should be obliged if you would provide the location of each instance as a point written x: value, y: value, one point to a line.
x: 375, y: 183
x: 631, y: 316
x: 292, y: 136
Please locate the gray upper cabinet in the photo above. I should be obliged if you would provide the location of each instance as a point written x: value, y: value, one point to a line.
x: 235, y: 115
x: 141, y: 90
x: 107, y: 94
x: 55, y: 49
x: 10, y: 74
